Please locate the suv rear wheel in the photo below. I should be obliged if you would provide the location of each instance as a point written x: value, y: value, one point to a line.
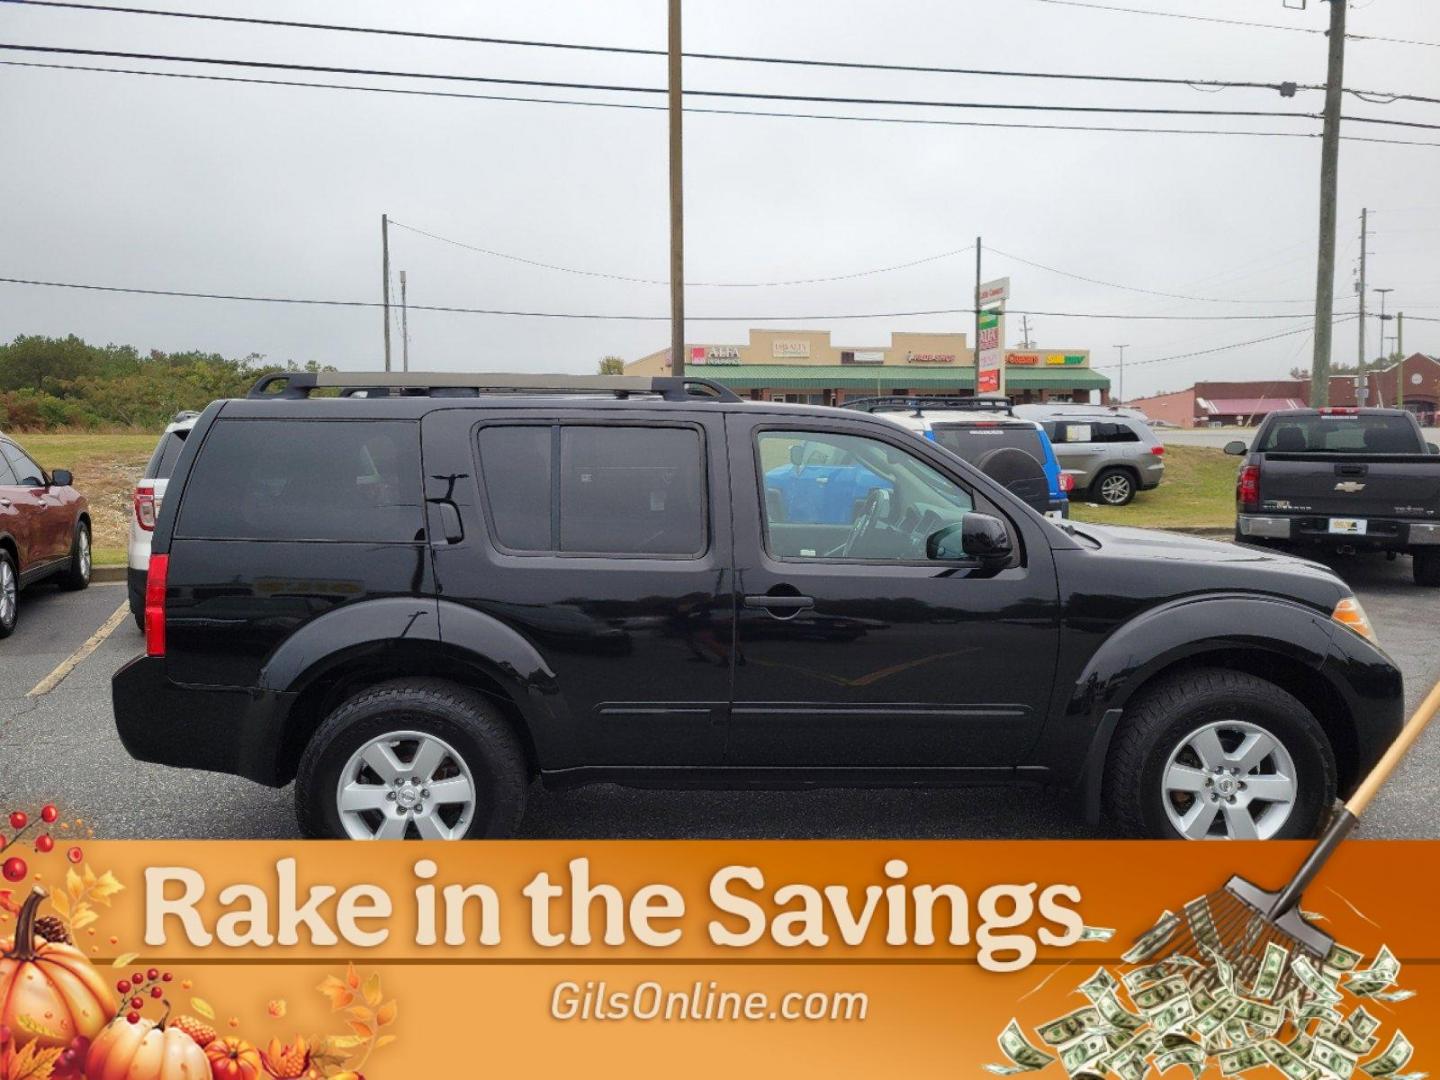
x: 77, y: 576
x: 412, y: 759
x: 9, y: 594
x: 1114, y: 487
x: 1217, y: 754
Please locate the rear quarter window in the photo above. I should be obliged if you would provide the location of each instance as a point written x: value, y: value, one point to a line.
x: 344, y: 480
x: 973, y: 442
x: 167, y: 452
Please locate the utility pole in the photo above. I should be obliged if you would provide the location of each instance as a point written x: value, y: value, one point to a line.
x: 404, y: 327
x: 1400, y: 367
x: 979, y: 247
x: 1122, y: 349
x: 1360, y: 289
x: 1329, y: 182
x: 385, y: 274
x: 677, y: 199
x: 1025, y: 342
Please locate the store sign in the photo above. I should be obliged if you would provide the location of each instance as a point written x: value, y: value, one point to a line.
x: 1023, y: 359
x: 789, y: 348
x: 990, y: 362
x: 716, y: 354
x: 1065, y: 359
x: 862, y: 356
x: 929, y: 358
x: 995, y: 292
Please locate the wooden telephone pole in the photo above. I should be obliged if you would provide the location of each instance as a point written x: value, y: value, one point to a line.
x: 677, y: 199
x: 1329, y: 183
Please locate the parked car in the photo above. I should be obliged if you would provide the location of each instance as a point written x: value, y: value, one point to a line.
x: 986, y: 433
x: 1343, y: 479
x: 148, y: 497
x: 592, y: 584
x: 44, y: 530
x: 1110, y: 454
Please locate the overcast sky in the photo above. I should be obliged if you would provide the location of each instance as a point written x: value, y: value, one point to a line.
x: 258, y: 190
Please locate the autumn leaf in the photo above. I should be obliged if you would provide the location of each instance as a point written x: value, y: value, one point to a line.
x: 352, y: 977
x: 124, y: 959
x: 84, y: 915
x: 365, y: 1031
x: 344, y: 1042
x: 277, y: 1008
x: 105, y: 887
x: 203, y: 1007
x: 338, y: 993
x: 372, y: 989
x: 386, y: 1013
x: 361, y: 1013
x: 35, y: 1027
x: 384, y: 1040
x: 33, y: 1063
x: 73, y: 884
x: 88, y: 876
x: 59, y: 901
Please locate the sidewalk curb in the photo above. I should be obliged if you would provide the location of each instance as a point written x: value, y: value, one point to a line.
x: 107, y: 574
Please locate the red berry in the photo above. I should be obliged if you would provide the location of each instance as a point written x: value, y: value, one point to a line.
x: 75, y: 854
x: 49, y: 814
x: 152, y: 974
x: 156, y: 992
x: 138, y: 978
x: 137, y: 1003
x: 133, y: 1017
x: 18, y: 820
x: 15, y: 869
x: 166, y: 977
x: 44, y: 844
x: 123, y: 986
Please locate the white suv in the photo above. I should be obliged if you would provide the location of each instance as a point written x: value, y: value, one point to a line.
x: 148, y: 492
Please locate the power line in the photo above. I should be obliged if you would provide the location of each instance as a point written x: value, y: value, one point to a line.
x: 1308, y: 328
x: 636, y: 107
x: 615, y: 317
x: 665, y: 281
x: 635, y: 51
x: 751, y: 95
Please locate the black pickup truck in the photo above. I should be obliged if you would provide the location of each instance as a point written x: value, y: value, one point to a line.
x: 1345, y: 479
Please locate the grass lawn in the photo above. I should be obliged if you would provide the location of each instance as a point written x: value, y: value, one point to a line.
x: 1198, y: 492
x: 106, y: 468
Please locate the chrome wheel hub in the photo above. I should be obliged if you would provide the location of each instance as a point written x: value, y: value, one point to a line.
x: 8, y: 594
x: 1115, y: 489
x: 1229, y: 780
x: 405, y: 785
x: 84, y: 554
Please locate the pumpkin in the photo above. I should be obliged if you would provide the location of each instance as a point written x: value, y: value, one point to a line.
x: 50, y: 985
x: 145, y: 1050
x: 233, y: 1059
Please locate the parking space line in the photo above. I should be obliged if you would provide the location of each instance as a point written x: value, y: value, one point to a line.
x: 71, y: 662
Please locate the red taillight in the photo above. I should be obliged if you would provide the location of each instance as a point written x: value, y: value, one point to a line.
x: 1067, y: 482
x: 155, y: 605
x: 1158, y: 450
x: 145, y: 506
x: 1339, y: 410
x: 1247, y: 486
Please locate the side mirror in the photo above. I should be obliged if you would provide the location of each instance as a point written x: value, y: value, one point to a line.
x: 980, y: 537
x: 1236, y: 448
x: 1432, y: 448
x: 61, y: 478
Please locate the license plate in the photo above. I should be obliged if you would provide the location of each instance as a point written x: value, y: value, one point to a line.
x: 1348, y: 526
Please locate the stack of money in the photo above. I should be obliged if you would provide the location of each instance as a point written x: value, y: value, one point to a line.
x: 1197, y: 1012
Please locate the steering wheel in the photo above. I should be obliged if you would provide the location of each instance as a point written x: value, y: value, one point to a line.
x: 877, y: 506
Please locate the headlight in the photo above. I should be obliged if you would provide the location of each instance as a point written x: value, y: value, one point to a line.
x: 1350, y: 614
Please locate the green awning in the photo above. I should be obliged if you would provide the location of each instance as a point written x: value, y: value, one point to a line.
x: 888, y: 376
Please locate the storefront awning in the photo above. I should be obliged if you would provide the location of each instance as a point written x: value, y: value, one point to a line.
x: 886, y: 377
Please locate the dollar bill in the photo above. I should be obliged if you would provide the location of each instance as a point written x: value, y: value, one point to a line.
x: 1396, y: 1056
x: 1267, y: 1017
x: 1391, y: 996
x: 1202, y: 924
x: 1287, y: 1061
x: 1381, y: 973
x: 1346, y: 1038
x: 1102, y: 982
x: 1115, y: 1014
x: 1223, y: 971
x: 1160, y: 994
x: 1148, y: 973
x: 1069, y: 1027
x: 1192, y: 1056
x: 1342, y: 959
x: 1272, y: 966
x: 1204, y: 998
x: 1096, y: 933
x: 1213, y: 1018
x: 1335, y: 1060
x: 1302, y: 1043
x: 1173, y: 1015
x: 1153, y: 940
x: 1023, y: 1056
x: 1084, y: 1051
x: 1319, y: 987
x: 1361, y: 1022
x: 1241, y: 1059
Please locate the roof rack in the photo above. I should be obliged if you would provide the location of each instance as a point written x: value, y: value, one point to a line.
x: 294, y: 385
x: 919, y: 403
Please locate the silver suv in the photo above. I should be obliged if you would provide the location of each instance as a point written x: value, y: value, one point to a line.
x: 1108, y: 453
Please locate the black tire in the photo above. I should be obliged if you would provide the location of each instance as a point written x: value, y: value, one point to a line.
x: 77, y: 575
x: 1121, y: 484
x: 1426, y: 568
x: 462, y: 718
x: 9, y: 578
x: 1165, y: 716
x: 139, y: 617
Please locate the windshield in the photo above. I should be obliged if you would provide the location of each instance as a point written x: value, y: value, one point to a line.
x: 972, y: 442
x: 1341, y: 434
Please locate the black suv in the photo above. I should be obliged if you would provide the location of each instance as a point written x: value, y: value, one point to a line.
x: 417, y: 594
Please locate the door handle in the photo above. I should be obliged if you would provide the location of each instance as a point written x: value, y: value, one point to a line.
x: 6, y: 503
x: 780, y: 603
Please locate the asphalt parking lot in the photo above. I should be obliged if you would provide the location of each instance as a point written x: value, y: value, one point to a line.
x: 61, y: 746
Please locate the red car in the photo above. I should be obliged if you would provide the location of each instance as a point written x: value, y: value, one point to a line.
x: 44, y: 530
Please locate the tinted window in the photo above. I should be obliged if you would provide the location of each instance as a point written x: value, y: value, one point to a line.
x: 973, y: 443
x: 6, y: 475
x: 516, y: 461
x: 1341, y: 434
x: 619, y: 490
x: 167, y: 452
x: 306, y: 480
x: 27, y: 472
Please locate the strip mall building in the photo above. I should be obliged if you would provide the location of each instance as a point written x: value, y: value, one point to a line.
x: 804, y: 366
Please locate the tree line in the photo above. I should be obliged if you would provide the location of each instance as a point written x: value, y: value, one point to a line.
x: 48, y: 383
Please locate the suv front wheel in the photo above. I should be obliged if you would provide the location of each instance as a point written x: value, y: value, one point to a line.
x: 1114, y: 487
x: 412, y: 759
x: 1219, y: 755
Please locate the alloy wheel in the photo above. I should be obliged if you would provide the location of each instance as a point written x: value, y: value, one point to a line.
x: 1115, y: 489
x: 405, y: 784
x: 1229, y: 780
x: 83, y: 553
x: 9, y: 594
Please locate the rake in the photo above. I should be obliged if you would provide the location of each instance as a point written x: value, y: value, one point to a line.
x: 1239, y: 921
